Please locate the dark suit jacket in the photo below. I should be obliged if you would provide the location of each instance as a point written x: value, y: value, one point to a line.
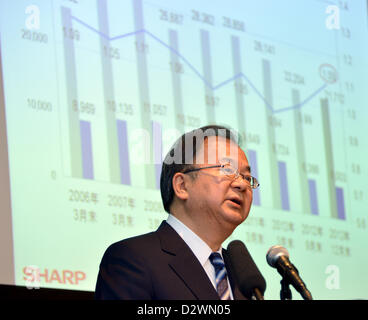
x: 159, y: 266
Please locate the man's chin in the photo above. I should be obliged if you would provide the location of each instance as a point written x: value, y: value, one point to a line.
x: 235, y: 216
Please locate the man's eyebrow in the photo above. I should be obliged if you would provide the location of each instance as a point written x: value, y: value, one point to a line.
x: 247, y: 168
x: 232, y: 162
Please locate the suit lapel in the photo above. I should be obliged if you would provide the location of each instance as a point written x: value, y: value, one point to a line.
x: 185, y: 264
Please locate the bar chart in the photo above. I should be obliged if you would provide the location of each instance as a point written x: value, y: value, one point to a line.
x: 117, y: 129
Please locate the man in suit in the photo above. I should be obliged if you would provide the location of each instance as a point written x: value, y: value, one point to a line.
x: 206, y: 188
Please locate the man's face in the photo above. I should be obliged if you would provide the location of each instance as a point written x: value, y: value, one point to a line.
x: 215, y: 198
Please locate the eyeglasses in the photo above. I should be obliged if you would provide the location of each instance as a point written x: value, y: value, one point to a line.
x: 232, y: 173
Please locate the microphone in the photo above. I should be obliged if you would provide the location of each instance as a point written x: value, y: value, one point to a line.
x: 278, y: 257
x: 251, y: 282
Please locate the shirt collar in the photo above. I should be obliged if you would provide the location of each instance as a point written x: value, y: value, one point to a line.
x: 200, y: 248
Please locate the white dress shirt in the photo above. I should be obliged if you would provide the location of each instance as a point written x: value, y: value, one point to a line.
x: 200, y: 249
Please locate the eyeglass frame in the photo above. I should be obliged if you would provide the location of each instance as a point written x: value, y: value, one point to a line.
x: 237, y: 174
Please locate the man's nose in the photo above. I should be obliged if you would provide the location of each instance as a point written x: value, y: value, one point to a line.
x: 240, y: 183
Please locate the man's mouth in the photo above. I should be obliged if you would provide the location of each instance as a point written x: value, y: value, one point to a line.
x: 237, y: 201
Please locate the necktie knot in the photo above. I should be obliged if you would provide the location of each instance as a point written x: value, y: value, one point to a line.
x: 217, y: 261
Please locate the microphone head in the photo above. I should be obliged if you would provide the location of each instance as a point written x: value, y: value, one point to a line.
x: 246, y: 272
x: 274, y: 253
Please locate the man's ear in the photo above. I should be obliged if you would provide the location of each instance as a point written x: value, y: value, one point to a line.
x: 180, y: 183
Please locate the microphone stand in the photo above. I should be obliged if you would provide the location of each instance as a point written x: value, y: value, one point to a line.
x: 285, y: 292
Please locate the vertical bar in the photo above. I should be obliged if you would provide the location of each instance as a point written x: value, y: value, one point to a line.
x: 108, y: 91
x: 239, y: 98
x: 313, y: 200
x: 300, y: 153
x: 252, y: 155
x: 86, y: 144
x: 176, y: 79
x: 157, y: 150
x: 327, y: 139
x: 122, y: 133
x: 285, y: 205
x: 72, y: 97
x: 141, y: 49
x: 7, y: 269
x: 209, y: 98
x: 340, y: 203
x: 267, y: 88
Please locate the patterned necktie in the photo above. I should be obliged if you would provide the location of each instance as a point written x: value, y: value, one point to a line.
x: 223, y: 289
